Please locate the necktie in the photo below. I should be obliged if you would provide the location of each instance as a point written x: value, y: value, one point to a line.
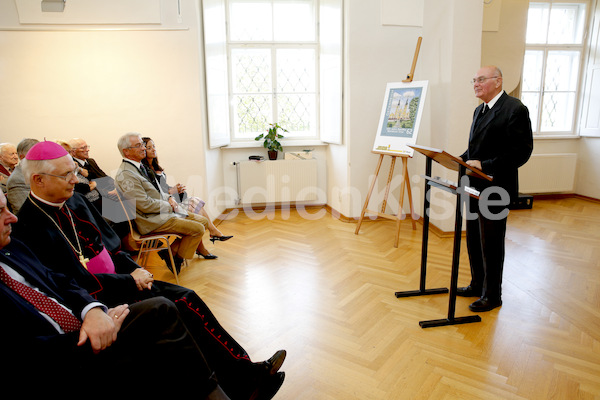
x: 43, y: 303
x: 145, y: 172
x: 148, y: 176
x: 480, y: 116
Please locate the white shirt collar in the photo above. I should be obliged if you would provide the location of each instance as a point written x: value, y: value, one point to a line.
x: 59, y: 205
x: 495, y: 99
x: 138, y: 164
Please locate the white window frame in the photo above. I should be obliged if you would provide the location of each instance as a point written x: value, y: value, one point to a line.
x: 329, y: 75
x: 546, y: 48
x: 590, y: 109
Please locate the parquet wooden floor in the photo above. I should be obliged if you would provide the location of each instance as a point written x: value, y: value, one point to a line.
x: 305, y: 282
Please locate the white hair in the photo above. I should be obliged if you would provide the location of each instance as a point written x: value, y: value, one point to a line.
x: 124, y: 141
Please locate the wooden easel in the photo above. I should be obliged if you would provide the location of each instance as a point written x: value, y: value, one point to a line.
x: 405, y: 178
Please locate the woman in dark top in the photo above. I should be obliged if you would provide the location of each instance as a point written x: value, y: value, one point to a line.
x: 192, y: 204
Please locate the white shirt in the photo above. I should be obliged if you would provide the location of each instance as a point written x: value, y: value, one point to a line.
x: 495, y: 99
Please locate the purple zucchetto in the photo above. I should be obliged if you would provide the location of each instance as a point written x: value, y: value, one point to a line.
x: 46, y: 151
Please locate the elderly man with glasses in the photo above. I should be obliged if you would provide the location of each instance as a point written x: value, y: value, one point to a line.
x: 500, y: 142
x: 157, y: 211
x: 109, y: 204
x: 8, y: 161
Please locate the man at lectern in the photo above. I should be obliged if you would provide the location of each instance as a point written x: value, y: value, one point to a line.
x: 500, y: 142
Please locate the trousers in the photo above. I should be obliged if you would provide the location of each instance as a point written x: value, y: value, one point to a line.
x: 191, y: 228
x: 486, y: 248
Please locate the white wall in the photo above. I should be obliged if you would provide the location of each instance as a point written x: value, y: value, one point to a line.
x: 377, y: 54
x: 588, y: 168
x: 95, y: 83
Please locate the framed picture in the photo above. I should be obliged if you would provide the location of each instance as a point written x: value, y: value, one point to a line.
x: 400, y: 117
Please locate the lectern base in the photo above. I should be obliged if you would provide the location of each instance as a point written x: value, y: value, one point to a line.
x: 449, y: 321
x: 420, y: 292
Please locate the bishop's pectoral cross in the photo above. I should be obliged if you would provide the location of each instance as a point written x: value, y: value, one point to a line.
x: 83, y: 260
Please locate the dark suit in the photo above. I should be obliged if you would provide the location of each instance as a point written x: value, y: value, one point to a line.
x: 502, y: 140
x: 108, y: 204
x: 237, y: 373
x: 38, y: 360
x: 94, y: 171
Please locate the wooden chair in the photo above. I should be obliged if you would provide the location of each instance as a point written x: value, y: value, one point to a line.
x: 145, y: 244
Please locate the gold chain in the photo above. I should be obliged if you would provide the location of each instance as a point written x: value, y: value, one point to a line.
x: 82, y: 259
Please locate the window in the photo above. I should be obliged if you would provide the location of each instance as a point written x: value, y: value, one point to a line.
x: 273, y: 61
x: 552, y: 65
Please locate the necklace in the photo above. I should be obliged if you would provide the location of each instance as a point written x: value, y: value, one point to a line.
x: 83, y: 260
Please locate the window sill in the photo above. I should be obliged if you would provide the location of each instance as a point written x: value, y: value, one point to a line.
x: 561, y: 137
x: 285, y: 143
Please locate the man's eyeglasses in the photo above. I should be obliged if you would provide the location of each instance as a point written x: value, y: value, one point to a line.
x: 481, y: 79
x: 67, y: 177
x: 83, y: 148
x: 136, y: 146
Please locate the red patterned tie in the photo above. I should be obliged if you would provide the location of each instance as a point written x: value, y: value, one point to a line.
x: 43, y: 303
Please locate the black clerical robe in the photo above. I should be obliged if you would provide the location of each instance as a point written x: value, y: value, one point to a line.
x: 37, y: 230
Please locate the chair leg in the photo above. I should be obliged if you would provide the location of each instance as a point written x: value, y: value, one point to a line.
x: 141, y: 258
x: 173, y: 264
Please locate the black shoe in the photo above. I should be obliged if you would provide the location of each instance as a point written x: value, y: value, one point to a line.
x: 164, y: 254
x: 273, y: 364
x: 269, y: 387
x: 208, y: 256
x: 468, y: 291
x: 217, y: 394
x: 485, y: 304
x: 220, y: 238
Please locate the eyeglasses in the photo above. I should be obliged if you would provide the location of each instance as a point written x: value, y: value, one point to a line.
x: 83, y: 148
x: 481, y: 79
x: 136, y: 146
x: 67, y: 177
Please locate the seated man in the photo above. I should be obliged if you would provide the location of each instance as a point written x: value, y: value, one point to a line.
x: 81, y: 155
x: 8, y: 161
x: 70, y: 237
x: 105, y: 185
x: 51, y: 350
x: 157, y: 212
x: 16, y: 187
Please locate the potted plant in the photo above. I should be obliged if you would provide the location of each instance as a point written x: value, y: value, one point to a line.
x: 271, y: 140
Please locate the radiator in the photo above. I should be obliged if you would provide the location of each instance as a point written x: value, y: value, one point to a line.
x: 548, y: 173
x: 279, y: 181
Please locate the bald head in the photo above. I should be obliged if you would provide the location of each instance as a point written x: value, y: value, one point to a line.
x: 8, y: 155
x: 79, y: 148
x: 487, y: 82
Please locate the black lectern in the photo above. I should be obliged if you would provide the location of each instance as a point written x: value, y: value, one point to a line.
x: 455, y: 164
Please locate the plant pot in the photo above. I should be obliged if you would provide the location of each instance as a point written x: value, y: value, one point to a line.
x: 272, y: 154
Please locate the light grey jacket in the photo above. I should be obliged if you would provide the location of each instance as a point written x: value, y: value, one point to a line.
x: 152, y: 207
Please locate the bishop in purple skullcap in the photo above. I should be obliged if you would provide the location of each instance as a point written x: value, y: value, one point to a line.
x: 46, y: 151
